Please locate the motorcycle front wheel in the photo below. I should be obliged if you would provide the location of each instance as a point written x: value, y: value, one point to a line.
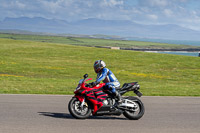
x: 135, y: 113
x: 77, y: 111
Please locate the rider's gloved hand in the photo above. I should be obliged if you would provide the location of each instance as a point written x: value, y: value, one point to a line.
x: 94, y: 83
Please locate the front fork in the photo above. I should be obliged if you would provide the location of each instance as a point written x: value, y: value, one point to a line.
x: 96, y: 105
x: 82, y: 100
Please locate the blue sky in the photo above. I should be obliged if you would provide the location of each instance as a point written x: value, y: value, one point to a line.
x: 185, y: 13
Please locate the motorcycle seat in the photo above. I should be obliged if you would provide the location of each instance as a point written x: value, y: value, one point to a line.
x: 118, y: 88
x: 128, y: 85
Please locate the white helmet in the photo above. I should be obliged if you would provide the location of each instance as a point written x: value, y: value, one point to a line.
x: 98, y: 65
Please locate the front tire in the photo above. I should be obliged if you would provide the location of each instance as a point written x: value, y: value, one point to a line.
x: 76, y: 111
x: 135, y: 115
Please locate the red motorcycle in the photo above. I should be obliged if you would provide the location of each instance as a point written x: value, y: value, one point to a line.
x: 94, y: 100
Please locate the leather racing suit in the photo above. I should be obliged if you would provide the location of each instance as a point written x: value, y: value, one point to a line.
x: 109, y: 78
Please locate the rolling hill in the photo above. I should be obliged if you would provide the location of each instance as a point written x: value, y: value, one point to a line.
x: 123, y: 28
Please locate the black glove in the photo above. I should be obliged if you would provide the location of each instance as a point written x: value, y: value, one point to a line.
x: 93, y: 83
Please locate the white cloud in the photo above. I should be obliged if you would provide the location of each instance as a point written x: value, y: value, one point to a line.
x: 12, y: 4
x: 112, y: 3
x: 168, y: 12
x: 50, y: 6
x: 152, y: 17
x: 19, y: 4
x: 158, y: 2
x: 154, y: 3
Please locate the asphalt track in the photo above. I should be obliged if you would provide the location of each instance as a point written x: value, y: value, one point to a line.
x: 49, y: 114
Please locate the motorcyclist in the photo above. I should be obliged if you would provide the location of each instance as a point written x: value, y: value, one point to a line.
x: 106, y: 75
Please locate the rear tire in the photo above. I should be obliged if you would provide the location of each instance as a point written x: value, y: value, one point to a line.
x: 132, y: 114
x: 76, y: 111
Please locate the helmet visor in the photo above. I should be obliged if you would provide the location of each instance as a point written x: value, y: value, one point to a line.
x: 97, y: 68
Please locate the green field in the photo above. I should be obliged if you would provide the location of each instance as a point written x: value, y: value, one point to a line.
x: 95, y: 42
x: 30, y: 67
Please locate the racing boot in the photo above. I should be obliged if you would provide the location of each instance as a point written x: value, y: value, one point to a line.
x: 118, y: 100
x: 118, y: 96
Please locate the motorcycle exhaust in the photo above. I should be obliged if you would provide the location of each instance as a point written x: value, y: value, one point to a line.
x: 139, y: 94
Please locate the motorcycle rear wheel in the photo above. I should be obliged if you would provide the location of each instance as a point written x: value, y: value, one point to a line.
x: 76, y: 111
x: 135, y: 115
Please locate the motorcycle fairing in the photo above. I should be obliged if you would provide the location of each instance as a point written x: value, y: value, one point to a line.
x: 80, y: 98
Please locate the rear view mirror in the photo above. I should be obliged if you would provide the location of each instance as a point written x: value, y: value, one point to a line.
x: 85, y: 76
